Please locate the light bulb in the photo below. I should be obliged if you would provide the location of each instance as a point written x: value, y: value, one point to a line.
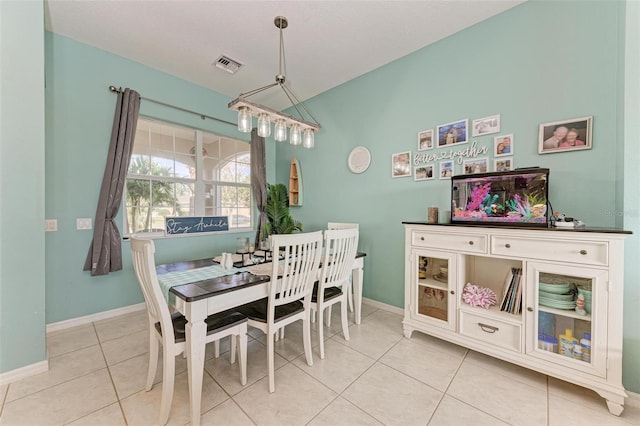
x: 264, y: 125
x: 294, y: 135
x: 280, y: 131
x: 244, y: 120
x: 307, y: 139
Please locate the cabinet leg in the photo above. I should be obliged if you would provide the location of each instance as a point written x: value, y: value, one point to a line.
x: 615, y: 408
x: 408, y: 331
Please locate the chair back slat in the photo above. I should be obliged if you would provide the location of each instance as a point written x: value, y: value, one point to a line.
x: 299, y: 267
x: 142, y: 253
x: 340, y: 249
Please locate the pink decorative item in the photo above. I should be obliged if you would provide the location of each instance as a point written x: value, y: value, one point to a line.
x: 478, y: 296
x: 478, y: 194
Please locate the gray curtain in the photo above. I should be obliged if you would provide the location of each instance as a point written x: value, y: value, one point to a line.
x: 259, y: 179
x: 105, y: 252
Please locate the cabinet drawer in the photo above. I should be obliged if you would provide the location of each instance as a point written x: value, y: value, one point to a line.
x: 490, y: 330
x: 587, y: 252
x: 449, y: 241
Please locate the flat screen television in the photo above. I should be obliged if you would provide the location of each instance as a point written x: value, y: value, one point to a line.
x: 513, y: 198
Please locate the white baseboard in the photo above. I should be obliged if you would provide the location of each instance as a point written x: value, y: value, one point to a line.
x: 23, y: 372
x: 633, y: 399
x: 73, y: 322
x: 383, y: 306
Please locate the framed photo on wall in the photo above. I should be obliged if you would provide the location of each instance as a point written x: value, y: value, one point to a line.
x: 503, y: 164
x: 486, y: 125
x: 423, y: 172
x: 453, y: 133
x: 477, y: 165
x: 425, y: 140
x: 502, y: 145
x: 567, y: 135
x: 401, y: 164
x: 446, y: 169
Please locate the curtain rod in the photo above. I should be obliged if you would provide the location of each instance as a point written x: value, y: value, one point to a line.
x: 115, y: 89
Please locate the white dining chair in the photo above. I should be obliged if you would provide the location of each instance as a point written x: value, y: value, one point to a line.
x: 169, y: 329
x: 340, y: 247
x: 345, y: 225
x: 290, y: 289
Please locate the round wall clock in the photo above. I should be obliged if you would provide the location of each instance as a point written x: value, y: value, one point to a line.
x: 359, y: 159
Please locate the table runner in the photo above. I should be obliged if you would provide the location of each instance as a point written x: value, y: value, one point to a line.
x: 190, y: 276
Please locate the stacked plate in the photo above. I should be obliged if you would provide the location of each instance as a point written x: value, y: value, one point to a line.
x: 557, y: 296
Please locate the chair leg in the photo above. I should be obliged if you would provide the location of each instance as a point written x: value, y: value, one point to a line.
x: 329, y: 315
x: 153, y: 360
x: 270, y: 359
x: 306, y: 335
x: 168, y: 378
x: 216, y: 349
x: 350, y: 296
x: 345, y: 319
x: 232, y: 341
x: 320, y: 332
x: 242, y: 355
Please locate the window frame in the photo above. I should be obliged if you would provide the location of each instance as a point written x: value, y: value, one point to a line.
x: 198, y: 182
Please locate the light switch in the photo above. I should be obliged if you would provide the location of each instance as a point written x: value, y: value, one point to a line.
x: 83, y: 223
x: 50, y: 225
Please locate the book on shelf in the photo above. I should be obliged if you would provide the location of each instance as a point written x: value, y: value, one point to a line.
x: 512, y: 295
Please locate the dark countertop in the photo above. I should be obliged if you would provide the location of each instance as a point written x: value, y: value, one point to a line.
x: 529, y: 228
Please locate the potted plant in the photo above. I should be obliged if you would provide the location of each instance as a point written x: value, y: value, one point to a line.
x: 277, y: 209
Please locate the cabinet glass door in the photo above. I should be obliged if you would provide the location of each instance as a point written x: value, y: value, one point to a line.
x: 433, y: 274
x: 568, y: 305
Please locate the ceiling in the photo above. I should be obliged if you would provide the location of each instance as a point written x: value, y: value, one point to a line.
x: 327, y: 43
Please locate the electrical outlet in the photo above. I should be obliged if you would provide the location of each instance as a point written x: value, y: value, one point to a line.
x: 83, y: 223
x: 50, y: 225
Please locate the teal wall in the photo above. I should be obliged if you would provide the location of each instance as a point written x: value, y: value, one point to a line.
x: 538, y: 62
x: 22, y: 162
x: 80, y: 112
x: 630, y: 211
x: 526, y: 64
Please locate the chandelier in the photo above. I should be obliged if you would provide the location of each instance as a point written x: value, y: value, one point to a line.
x: 301, y: 130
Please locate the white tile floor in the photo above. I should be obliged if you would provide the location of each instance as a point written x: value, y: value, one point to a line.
x: 97, y: 374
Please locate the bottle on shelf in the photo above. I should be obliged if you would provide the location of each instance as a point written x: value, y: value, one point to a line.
x: 566, y: 342
x: 585, y: 343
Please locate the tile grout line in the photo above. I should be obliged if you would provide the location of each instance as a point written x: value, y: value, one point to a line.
x: 446, y: 393
x: 113, y: 384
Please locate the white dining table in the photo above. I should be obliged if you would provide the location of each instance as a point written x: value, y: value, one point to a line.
x: 199, y: 299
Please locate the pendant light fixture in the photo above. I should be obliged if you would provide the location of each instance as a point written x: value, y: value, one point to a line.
x: 301, y: 130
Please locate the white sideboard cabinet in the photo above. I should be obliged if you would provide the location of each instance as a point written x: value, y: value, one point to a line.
x: 546, y: 269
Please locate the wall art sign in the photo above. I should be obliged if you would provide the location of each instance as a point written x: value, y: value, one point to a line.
x: 470, y: 151
x: 195, y: 224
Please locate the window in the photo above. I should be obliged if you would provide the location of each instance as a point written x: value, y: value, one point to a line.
x: 178, y: 171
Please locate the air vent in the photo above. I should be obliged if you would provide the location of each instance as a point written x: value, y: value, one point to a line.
x: 228, y: 64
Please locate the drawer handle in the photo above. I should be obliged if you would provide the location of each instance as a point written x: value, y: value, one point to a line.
x: 530, y: 309
x: 470, y: 243
x: 583, y: 252
x: 507, y: 245
x: 453, y: 292
x: 488, y: 328
x: 421, y: 238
